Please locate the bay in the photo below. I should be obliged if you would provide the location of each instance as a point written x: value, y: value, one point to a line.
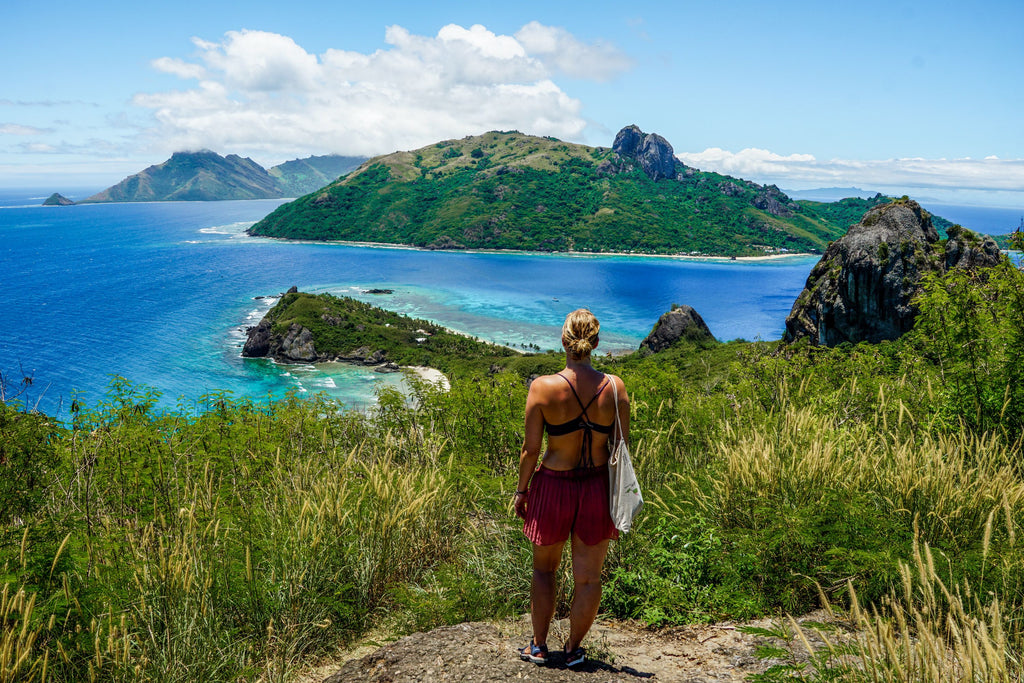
x: 987, y: 220
x: 161, y: 293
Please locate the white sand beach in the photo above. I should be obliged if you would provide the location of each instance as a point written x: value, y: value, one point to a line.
x: 571, y: 254
x: 432, y: 375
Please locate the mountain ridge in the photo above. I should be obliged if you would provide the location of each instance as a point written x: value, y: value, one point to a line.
x: 205, y: 175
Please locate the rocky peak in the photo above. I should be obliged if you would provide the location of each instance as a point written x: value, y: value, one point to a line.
x: 682, y: 322
x: 628, y: 141
x: 863, y: 288
x: 653, y: 152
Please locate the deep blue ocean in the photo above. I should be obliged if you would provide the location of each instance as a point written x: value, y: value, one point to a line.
x: 161, y: 293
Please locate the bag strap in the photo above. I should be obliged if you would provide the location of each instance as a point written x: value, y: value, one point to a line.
x: 614, y: 459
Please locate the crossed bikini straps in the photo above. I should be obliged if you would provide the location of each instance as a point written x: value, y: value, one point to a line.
x: 582, y: 422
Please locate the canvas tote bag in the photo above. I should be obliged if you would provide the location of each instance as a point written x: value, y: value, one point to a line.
x: 624, y: 489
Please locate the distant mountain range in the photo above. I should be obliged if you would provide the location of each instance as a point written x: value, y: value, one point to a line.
x: 208, y: 176
x: 830, y: 194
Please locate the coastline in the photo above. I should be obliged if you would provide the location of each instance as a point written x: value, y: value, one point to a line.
x: 570, y: 254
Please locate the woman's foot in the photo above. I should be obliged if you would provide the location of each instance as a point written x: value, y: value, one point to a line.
x: 538, y: 654
x: 575, y: 657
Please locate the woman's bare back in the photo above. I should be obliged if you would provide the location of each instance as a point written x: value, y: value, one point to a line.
x: 559, y: 405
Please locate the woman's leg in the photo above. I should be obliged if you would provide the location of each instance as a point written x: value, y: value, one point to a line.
x: 587, y: 561
x: 543, y: 589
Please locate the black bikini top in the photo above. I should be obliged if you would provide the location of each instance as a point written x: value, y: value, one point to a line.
x: 582, y: 422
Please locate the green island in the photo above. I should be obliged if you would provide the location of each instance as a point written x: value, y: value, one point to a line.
x: 507, y: 190
x: 243, y: 540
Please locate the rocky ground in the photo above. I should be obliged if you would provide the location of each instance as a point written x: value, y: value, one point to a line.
x: 478, y: 652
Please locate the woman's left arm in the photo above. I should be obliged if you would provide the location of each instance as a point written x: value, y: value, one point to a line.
x: 623, y: 410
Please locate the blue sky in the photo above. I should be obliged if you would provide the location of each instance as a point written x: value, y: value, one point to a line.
x: 919, y: 98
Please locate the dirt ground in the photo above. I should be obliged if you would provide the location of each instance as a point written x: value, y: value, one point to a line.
x: 616, y: 651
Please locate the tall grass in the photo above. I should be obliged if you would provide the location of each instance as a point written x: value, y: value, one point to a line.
x: 949, y: 482
x: 937, y: 631
x: 926, y: 630
x: 226, y: 547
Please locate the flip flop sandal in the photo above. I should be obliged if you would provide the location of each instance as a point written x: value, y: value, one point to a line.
x: 576, y: 657
x: 538, y: 654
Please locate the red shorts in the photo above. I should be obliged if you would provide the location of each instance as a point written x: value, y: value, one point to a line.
x: 571, y: 502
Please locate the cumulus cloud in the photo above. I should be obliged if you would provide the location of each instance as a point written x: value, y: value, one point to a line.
x: 263, y: 94
x: 562, y: 51
x: 804, y: 170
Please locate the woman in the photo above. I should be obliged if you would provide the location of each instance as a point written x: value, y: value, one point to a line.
x: 567, y: 496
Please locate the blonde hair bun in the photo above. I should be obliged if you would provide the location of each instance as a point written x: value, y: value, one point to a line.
x: 579, y: 332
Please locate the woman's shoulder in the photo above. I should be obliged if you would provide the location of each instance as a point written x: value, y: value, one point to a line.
x: 616, y: 381
x: 547, y: 382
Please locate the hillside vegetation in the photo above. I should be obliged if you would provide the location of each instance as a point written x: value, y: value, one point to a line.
x: 506, y: 190
x: 236, y: 542
x: 302, y: 176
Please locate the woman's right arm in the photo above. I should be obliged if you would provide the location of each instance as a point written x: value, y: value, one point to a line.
x: 533, y: 440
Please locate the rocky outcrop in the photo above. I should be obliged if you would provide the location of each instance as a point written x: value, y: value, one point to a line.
x: 964, y: 249
x: 653, y: 152
x: 627, y: 141
x: 296, y: 346
x: 258, y: 340
x: 863, y: 288
x: 682, y: 322
x: 774, y: 201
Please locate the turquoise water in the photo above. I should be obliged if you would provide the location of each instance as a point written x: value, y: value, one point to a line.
x: 160, y: 293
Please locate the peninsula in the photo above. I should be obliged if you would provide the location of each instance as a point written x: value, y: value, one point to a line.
x: 303, y: 328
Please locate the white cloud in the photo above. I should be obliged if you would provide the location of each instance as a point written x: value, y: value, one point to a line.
x: 483, y: 41
x: 804, y: 170
x: 747, y: 163
x: 19, y: 129
x: 561, y: 50
x: 262, y: 94
x: 260, y: 61
x: 38, y: 148
x: 179, y: 68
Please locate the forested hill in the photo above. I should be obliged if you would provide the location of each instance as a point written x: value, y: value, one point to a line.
x: 507, y: 190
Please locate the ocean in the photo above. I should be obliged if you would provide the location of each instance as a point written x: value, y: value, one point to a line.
x: 161, y: 293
